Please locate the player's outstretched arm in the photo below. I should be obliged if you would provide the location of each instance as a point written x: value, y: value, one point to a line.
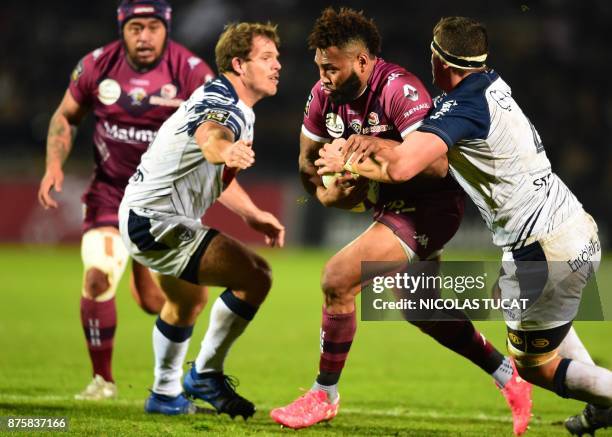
x: 374, y: 159
x: 62, y: 130
x: 218, y: 146
x: 238, y: 201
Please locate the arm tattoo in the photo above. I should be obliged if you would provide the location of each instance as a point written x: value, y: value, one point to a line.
x: 59, y: 139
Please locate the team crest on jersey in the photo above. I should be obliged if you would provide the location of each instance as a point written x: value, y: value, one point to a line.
x: 411, y: 92
x: 78, y: 70
x: 334, y: 124
x: 373, y: 119
x: 168, y: 91
x: 109, y: 91
x: 356, y: 125
x: 218, y: 115
x: 137, y: 95
x: 308, y: 102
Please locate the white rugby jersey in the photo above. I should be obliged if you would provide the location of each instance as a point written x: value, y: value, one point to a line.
x: 173, y: 176
x: 496, y: 155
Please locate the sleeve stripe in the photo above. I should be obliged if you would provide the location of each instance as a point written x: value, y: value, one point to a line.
x: 411, y: 128
x: 314, y: 137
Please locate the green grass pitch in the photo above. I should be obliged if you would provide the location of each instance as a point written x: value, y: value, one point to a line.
x: 397, y: 381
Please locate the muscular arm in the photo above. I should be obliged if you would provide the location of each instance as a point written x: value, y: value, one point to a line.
x: 419, y: 151
x: 218, y: 146
x: 60, y: 137
x: 238, y: 201
x: 62, y: 130
x: 309, y: 153
x: 213, y: 139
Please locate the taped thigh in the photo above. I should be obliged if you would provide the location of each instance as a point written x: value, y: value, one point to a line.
x: 105, y: 251
x: 536, y: 348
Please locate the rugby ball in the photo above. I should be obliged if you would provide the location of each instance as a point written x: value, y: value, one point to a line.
x: 368, y: 202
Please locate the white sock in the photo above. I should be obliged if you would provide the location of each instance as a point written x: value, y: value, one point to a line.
x: 572, y: 347
x: 503, y: 373
x: 589, y: 383
x: 169, y: 357
x: 331, y: 390
x: 224, y: 328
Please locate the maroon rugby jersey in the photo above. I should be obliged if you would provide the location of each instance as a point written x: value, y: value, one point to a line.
x: 129, y: 107
x: 393, y: 105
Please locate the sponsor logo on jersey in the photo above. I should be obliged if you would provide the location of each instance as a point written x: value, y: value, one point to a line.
x: 356, y: 125
x: 411, y: 92
x: 416, y: 108
x: 373, y: 119
x: 334, y: 124
x: 446, y: 106
x: 503, y: 99
x: 584, y: 256
x: 193, y: 61
x: 168, y: 91
x: 376, y: 129
x: 109, y: 91
x: 218, y: 115
x: 78, y: 70
x: 129, y: 133
x: 540, y: 343
x: 184, y: 233
x: 308, y: 102
x: 392, y: 77
x: 139, y: 82
x: 137, y: 95
x: 160, y: 101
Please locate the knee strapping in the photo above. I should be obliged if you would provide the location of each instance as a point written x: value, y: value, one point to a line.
x: 104, y: 251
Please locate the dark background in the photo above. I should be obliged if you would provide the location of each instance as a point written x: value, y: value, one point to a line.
x: 554, y: 54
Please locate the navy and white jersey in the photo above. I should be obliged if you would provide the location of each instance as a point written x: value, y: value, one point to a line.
x: 496, y: 155
x: 173, y: 177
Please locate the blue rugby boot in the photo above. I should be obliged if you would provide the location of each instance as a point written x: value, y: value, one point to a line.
x: 161, y: 404
x: 219, y: 391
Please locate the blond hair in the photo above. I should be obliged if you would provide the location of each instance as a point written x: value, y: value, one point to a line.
x: 236, y: 41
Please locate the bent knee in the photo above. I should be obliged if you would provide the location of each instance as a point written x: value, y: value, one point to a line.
x: 335, y: 284
x: 96, y: 283
x: 263, y: 275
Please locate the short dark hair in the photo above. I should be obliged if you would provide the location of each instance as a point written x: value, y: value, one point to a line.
x: 340, y: 28
x: 461, y: 36
x: 236, y: 41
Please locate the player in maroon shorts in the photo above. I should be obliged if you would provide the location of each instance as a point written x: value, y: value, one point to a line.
x: 360, y: 93
x: 132, y: 85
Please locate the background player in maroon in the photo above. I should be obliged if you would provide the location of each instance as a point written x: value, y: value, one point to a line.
x: 132, y: 85
x: 361, y: 93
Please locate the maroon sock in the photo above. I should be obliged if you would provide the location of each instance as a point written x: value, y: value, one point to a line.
x: 461, y: 336
x: 337, y: 332
x: 99, y: 320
